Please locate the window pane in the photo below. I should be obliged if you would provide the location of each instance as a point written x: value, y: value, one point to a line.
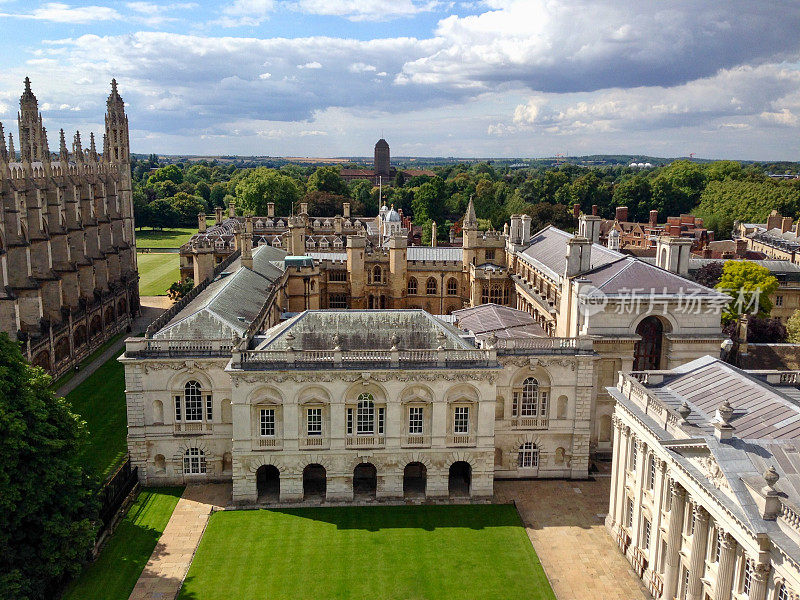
x: 461, y: 421
x: 415, y: 420
x: 267, y: 421
x: 314, y: 421
x: 365, y: 415
x: 193, y: 401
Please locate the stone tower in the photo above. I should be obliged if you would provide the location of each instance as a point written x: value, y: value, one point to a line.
x: 381, y: 163
x: 470, y: 236
x: 31, y: 132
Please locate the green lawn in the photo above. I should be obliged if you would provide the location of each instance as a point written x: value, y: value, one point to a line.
x: 121, y: 561
x: 164, y: 238
x: 66, y: 377
x: 157, y: 272
x: 386, y: 552
x: 100, y: 401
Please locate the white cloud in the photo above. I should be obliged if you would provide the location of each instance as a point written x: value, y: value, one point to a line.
x: 362, y: 68
x: 310, y: 65
x: 154, y: 14
x: 364, y: 10
x: 57, y: 12
x: 265, y: 75
x: 245, y: 13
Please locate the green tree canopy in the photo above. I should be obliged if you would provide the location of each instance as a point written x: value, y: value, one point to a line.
x: 749, y: 285
x: 187, y: 208
x: 262, y: 186
x: 47, y: 505
x: 328, y: 179
x: 171, y: 173
x: 793, y: 328
x: 161, y: 213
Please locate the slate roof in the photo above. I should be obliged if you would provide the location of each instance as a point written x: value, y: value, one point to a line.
x: 231, y: 302
x: 548, y: 249
x: 431, y: 254
x: 503, y: 321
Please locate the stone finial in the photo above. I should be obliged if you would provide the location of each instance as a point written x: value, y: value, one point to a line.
x: 63, y: 153
x: 684, y: 411
x: 771, y: 477
x: 92, y: 147
x: 236, y: 340
x: 77, y: 148
x: 45, y: 146
x: 394, y: 342
x: 491, y: 340
x: 725, y: 411
x: 3, y: 148
x: 12, y: 153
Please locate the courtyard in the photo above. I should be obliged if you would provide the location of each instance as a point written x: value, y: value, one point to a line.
x: 388, y: 552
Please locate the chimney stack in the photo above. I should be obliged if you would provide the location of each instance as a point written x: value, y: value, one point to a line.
x: 231, y: 209
x: 346, y: 210
x: 579, y: 255
x: 594, y: 210
x: 653, y: 218
x: 270, y: 210
x: 774, y: 220
x: 218, y: 211
x: 622, y: 213
x: 576, y: 210
x: 786, y: 224
x: 201, y: 222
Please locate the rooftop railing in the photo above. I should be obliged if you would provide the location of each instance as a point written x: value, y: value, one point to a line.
x: 175, y: 348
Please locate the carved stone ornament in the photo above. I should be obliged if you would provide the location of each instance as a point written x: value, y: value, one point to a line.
x: 711, y: 470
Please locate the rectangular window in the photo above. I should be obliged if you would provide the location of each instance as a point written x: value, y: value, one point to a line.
x: 747, y: 578
x: 193, y: 405
x: 209, y: 407
x: 629, y: 520
x: 651, y: 474
x: 177, y: 408
x: 461, y: 421
x: 349, y: 421
x: 515, y: 404
x: 542, y: 404
x: 490, y: 255
x: 646, y: 534
x: 415, y: 420
x: 314, y: 421
x: 337, y: 301
x: 337, y: 275
x: 381, y: 419
x: 634, y: 451
x: 778, y: 300
x: 685, y: 586
x: 267, y: 422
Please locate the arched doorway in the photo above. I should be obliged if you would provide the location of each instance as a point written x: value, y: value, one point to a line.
x: 460, y: 479
x: 365, y: 480
x: 314, y: 482
x: 647, y: 351
x: 415, y: 477
x: 268, y: 483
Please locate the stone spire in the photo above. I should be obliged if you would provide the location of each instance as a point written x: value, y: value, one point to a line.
x: 3, y: 148
x: 63, y: 153
x: 30, y: 126
x: 470, y: 220
x: 12, y: 154
x: 118, y: 148
x: 104, y: 156
x: 45, y: 146
x: 77, y: 149
x: 92, y: 147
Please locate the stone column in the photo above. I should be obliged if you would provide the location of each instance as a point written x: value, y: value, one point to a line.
x: 758, y: 585
x: 617, y: 453
x: 727, y: 563
x: 622, y: 468
x: 674, y: 531
x: 658, y: 494
x: 697, y: 559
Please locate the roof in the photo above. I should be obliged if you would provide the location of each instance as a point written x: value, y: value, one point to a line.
x: 230, y: 303
x: 629, y: 274
x: 431, y: 254
x: 363, y: 330
x: 503, y: 321
x: 548, y: 250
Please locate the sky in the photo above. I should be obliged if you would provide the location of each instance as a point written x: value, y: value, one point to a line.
x: 485, y: 78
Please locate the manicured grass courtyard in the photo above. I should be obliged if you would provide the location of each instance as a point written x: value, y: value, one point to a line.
x: 157, y: 271
x: 386, y: 552
x: 121, y: 561
x: 164, y: 238
x: 100, y: 401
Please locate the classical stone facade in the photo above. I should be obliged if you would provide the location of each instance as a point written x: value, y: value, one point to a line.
x: 273, y: 377
x: 703, y: 501
x: 67, y: 244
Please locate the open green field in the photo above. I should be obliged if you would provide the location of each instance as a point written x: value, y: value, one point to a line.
x: 100, y: 401
x: 157, y: 272
x: 386, y: 552
x: 121, y: 561
x: 164, y: 238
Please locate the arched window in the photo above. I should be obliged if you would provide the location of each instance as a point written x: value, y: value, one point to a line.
x: 530, y: 400
x: 430, y: 287
x: 647, y: 351
x: 452, y: 287
x: 412, y: 286
x: 528, y: 457
x: 194, y: 461
x: 193, y: 401
x: 377, y: 274
x: 365, y: 414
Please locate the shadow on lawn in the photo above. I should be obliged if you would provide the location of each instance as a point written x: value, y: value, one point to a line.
x: 428, y: 518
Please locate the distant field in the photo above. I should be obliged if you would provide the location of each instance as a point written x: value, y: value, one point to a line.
x: 157, y: 272
x: 113, y: 575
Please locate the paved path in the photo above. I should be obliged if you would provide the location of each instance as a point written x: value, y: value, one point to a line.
x: 151, y: 307
x: 564, y: 520
x: 164, y: 573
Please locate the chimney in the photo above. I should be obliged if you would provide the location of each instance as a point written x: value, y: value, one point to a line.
x: 516, y: 229
x: 231, y: 209
x: 271, y: 210
x: 675, y: 230
x: 576, y: 210
x: 201, y: 222
x: 786, y: 224
x: 346, y: 210
x: 579, y: 255
x: 622, y: 213
x: 672, y: 254
x: 594, y: 210
x: 741, y: 248
x: 526, y: 228
x: 653, y: 218
x: 589, y: 227
x: 774, y: 220
x: 304, y: 208
x: 218, y: 212
x: 434, y: 241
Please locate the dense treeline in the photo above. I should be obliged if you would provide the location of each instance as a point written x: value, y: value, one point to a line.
x: 720, y: 192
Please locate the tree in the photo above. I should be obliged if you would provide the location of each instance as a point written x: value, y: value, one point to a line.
x: 187, y: 208
x: 793, y: 328
x: 709, y: 274
x: 217, y: 195
x: 262, y: 186
x: 171, y: 173
x: 750, y: 286
x: 324, y: 204
x: 203, y: 190
x: 179, y: 289
x: 399, y: 179
x: 635, y: 193
x: 160, y: 214
x: 47, y: 505
x: 328, y: 179
x: 677, y: 187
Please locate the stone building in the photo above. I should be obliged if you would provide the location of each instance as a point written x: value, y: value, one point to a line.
x: 475, y: 362
x: 704, y: 498
x: 67, y: 243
